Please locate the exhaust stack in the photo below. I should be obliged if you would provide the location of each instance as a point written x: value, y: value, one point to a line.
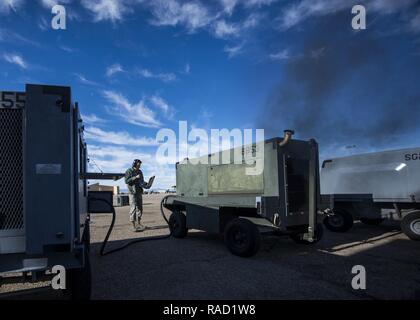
x: 287, y: 136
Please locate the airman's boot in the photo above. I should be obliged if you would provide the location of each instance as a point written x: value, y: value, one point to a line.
x: 140, y: 227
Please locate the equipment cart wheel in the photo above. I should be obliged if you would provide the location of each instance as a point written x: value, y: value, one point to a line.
x: 298, y: 237
x: 372, y: 222
x: 340, y: 221
x: 410, y: 225
x: 79, y: 281
x: 242, y: 237
x: 178, y: 224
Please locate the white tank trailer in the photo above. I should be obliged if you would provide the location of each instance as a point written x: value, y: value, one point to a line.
x: 282, y: 199
x: 366, y: 186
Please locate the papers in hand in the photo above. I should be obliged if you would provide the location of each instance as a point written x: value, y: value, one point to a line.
x: 150, y: 183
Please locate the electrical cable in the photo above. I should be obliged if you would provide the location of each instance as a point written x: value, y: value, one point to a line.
x: 94, y: 162
x: 111, y: 227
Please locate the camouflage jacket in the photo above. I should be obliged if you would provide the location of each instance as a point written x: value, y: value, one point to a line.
x: 135, y: 186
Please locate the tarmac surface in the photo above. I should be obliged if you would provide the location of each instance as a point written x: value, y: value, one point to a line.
x: 200, y: 266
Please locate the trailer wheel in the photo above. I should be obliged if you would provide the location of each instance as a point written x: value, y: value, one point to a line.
x: 178, y: 225
x: 410, y: 225
x: 340, y: 221
x: 79, y: 281
x: 372, y: 222
x: 242, y: 237
x: 319, y: 232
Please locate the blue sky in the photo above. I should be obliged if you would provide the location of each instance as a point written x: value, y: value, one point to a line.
x: 137, y: 66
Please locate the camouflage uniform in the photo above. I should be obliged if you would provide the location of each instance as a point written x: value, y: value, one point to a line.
x: 135, y: 188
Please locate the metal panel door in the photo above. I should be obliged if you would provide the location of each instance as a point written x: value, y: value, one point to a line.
x: 12, y: 227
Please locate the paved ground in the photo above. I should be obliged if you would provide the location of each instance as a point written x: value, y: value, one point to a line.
x: 200, y: 267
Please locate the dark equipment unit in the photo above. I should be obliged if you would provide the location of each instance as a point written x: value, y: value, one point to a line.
x: 44, y: 218
x: 282, y: 199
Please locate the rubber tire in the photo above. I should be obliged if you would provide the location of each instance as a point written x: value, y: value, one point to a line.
x: 347, y: 219
x: 372, y: 222
x: 405, y: 225
x: 79, y: 281
x: 251, y: 233
x: 319, y: 233
x: 178, y: 225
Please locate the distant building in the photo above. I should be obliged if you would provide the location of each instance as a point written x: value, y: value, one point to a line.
x: 97, y: 187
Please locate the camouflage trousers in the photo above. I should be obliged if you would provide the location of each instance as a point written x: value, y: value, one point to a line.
x: 136, y: 207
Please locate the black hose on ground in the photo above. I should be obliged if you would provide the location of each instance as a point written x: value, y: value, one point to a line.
x: 161, y: 208
x: 111, y: 227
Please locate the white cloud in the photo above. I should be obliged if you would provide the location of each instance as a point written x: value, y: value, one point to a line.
x: 113, y: 10
x: 145, y: 73
x: 228, y: 5
x: 389, y: 6
x: 118, y: 138
x: 415, y: 22
x: 51, y: 3
x: 93, y: 119
x: 193, y: 15
x: 70, y: 12
x: 114, y: 158
x: 298, y: 12
x: 43, y: 24
x: 222, y: 29
x: 82, y: 79
x: 115, y: 68
x: 252, y: 21
x: 190, y: 14
x: 6, y: 6
x: 15, y: 38
x: 233, y: 51
x: 285, y: 54
x: 165, y: 77
x: 68, y: 49
x: 16, y: 59
x: 137, y: 114
x: 161, y: 104
x: 281, y: 55
x: 257, y: 3
x: 315, y: 54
